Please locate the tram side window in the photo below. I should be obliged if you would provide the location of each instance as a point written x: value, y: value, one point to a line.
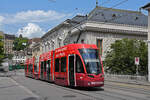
x: 25, y: 67
x: 35, y: 68
x: 30, y: 68
x: 57, y: 65
x: 79, y: 65
x: 48, y: 65
x: 44, y: 66
x: 63, y: 64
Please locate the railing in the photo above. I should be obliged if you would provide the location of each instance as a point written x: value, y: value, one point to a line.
x: 125, y: 77
x: 11, y: 73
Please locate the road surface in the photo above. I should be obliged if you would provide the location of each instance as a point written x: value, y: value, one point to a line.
x: 22, y: 88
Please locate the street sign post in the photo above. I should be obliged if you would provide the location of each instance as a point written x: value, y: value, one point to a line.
x: 137, y: 62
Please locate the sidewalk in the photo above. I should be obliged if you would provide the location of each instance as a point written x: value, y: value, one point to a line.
x: 12, y: 73
x: 11, y: 90
x: 127, y: 81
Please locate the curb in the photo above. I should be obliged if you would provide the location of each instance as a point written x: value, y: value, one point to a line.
x: 135, y: 82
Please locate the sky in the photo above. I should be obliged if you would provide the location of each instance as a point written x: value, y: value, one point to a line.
x: 33, y: 18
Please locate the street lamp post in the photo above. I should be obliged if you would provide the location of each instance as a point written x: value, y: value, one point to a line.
x: 147, y: 7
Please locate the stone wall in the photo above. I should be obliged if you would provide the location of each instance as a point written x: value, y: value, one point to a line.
x: 90, y: 37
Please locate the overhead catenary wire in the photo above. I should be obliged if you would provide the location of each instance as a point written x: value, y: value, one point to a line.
x: 120, y: 3
x: 105, y: 2
x: 52, y: 0
x: 116, y: 5
x: 117, y: 17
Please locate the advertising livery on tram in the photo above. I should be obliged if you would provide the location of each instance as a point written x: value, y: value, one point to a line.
x: 71, y: 65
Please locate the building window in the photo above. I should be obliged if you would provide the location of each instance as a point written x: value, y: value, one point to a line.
x: 100, y: 46
x: 82, y: 41
x: 59, y: 43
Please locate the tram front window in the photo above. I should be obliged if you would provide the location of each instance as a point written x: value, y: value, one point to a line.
x: 91, y: 60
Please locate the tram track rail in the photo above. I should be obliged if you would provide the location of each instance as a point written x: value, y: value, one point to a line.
x: 99, y: 93
x: 131, y: 89
x: 106, y: 93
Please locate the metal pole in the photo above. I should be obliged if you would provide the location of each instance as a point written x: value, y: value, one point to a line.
x: 148, y: 61
x: 149, y: 45
x: 137, y: 72
x: 147, y: 7
x: 96, y: 3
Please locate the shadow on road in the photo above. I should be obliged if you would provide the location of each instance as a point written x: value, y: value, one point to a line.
x: 8, y: 86
x: 87, y: 88
x: 31, y: 98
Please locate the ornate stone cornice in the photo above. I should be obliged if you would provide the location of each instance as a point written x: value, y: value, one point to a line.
x: 65, y: 23
x: 110, y: 27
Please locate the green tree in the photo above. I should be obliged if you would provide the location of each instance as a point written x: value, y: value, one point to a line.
x: 120, y: 59
x: 20, y: 43
x: 1, y: 49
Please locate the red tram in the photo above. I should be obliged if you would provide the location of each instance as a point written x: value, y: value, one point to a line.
x: 70, y: 65
x: 29, y: 69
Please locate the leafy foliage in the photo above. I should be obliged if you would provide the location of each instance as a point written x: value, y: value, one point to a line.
x: 20, y: 43
x: 120, y: 59
x: 1, y: 50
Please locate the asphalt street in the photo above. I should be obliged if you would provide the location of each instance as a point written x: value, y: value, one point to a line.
x: 11, y: 90
x: 19, y: 87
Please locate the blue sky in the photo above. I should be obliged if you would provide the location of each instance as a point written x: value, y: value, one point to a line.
x: 33, y: 18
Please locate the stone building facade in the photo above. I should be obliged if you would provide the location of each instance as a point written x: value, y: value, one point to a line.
x: 36, y: 52
x: 103, y: 35
x: 31, y: 49
x: 19, y: 57
x: 8, y: 42
x: 55, y: 37
x: 102, y: 26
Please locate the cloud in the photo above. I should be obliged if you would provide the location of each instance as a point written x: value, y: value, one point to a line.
x: 34, y: 16
x: 1, y: 19
x: 31, y: 31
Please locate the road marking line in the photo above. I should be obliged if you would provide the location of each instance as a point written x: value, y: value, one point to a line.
x: 131, y: 85
x: 24, y: 88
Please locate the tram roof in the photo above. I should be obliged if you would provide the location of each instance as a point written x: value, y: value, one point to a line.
x: 76, y: 46
x: 69, y: 47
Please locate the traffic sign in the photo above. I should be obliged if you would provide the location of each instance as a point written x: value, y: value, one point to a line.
x: 137, y: 60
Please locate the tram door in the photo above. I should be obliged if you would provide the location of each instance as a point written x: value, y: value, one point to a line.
x: 44, y: 73
x: 71, y: 70
x: 48, y: 69
x: 42, y: 65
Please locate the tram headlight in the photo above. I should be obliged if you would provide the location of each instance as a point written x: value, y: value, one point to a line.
x: 89, y: 83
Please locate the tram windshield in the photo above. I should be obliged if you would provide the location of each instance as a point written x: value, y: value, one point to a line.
x: 91, y: 60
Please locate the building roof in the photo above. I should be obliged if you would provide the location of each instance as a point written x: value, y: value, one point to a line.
x: 68, y: 22
x: 78, y: 18
x: 9, y: 37
x: 34, y: 40
x: 118, y: 16
x: 1, y: 33
x: 106, y: 15
x: 146, y: 7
